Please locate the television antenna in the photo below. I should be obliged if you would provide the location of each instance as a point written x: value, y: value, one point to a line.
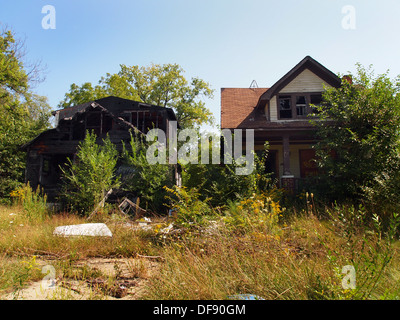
x: 254, y: 85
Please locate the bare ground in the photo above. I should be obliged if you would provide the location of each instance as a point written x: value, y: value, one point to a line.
x: 121, y: 278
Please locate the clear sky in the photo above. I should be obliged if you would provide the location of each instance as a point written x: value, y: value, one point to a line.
x: 228, y: 43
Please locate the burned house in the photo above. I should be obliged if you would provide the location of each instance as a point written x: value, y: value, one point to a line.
x: 112, y: 116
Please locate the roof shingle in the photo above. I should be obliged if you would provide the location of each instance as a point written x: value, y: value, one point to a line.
x: 237, y: 107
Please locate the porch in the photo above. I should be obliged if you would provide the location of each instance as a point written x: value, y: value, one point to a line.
x: 291, y: 157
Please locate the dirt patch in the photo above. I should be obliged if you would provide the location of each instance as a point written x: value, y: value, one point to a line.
x: 92, y: 279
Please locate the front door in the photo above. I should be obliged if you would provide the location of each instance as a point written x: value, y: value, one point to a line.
x: 308, y: 166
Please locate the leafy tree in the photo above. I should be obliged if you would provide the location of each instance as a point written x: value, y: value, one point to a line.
x: 23, y: 114
x: 162, y: 85
x: 13, y: 78
x: 81, y: 94
x: 87, y: 180
x: 359, y: 135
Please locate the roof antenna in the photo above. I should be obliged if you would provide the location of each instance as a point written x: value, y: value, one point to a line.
x: 254, y: 85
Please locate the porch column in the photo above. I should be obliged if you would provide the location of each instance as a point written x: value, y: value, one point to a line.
x: 288, y: 181
x: 286, y: 156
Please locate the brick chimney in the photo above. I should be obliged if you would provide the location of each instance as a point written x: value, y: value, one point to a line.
x: 348, y: 78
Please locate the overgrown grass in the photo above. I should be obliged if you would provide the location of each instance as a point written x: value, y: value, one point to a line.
x: 23, y: 238
x: 262, y: 249
x: 253, y: 246
x: 303, y: 262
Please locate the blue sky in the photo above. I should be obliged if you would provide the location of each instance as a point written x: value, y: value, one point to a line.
x: 228, y: 43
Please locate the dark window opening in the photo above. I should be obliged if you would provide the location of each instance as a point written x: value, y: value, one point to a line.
x: 93, y: 119
x: 93, y: 123
x: 316, y: 100
x: 285, y: 107
x: 151, y: 121
x: 99, y: 123
x: 271, y: 164
x: 297, y: 105
x: 78, y: 130
x: 140, y: 119
x: 46, y: 166
x: 107, y: 124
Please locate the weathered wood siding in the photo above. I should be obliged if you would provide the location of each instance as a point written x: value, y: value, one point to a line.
x: 307, y: 81
x: 273, y: 109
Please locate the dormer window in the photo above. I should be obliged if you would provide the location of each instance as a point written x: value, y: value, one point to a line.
x: 316, y: 100
x: 285, y: 107
x: 301, y: 105
x: 297, y: 105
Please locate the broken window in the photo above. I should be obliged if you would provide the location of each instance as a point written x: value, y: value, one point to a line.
x: 140, y: 120
x: 106, y: 123
x: 285, y: 107
x: 93, y: 122
x: 300, y: 108
x: 78, y: 129
x: 301, y: 105
x: 98, y: 122
x: 315, y: 99
x: 46, y: 166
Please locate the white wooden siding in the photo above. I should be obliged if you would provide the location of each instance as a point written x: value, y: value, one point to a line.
x: 306, y: 81
x: 273, y: 109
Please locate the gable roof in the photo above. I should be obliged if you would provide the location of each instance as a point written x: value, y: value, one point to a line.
x: 73, y: 114
x: 237, y: 106
x: 49, y: 132
x: 244, y: 107
x: 112, y: 104
x: 94, y: 105
x: 307, y: 63
x: 238, y: 111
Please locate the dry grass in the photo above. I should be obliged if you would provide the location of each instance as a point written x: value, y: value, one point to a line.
x: 22, y: 236
x: 24, y: 239
x: 302, y: 261
x: 299, y: 259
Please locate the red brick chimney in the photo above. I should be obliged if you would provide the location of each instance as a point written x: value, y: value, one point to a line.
x: 348, y: 78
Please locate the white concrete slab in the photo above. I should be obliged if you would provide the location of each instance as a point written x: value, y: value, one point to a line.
x: 86, y: 229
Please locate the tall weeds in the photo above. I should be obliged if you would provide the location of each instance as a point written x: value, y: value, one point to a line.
x: 33, y: 202
x: 300, y: 257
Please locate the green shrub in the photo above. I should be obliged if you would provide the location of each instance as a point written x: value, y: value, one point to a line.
x: 258, y: 213
x: 220, y: 183
x: 86, y: 181
x: 146, y: 180
x: 187, y: 207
